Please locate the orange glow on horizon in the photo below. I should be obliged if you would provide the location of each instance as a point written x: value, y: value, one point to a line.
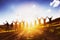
x: 29, y: 29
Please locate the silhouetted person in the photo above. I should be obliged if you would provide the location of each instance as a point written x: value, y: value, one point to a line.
x: 23, y: 23
x: 11, y: 25
x: 7, y: 25
x: 39, y: 20
x: 44, y: 20
x: 50, y: 19
x: 35, y: 22
x: 20, y: 25
x: 16, y: 25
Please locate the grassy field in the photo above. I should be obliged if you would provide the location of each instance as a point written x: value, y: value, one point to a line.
x: 51, y: 33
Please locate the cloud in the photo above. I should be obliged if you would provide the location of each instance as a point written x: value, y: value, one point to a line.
x: 55, y: 3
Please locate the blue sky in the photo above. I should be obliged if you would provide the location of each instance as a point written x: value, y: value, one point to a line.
x: 8, y: 6
x: 4, y: 4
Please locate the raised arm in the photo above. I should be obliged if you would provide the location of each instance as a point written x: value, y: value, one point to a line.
x: 49, y: 17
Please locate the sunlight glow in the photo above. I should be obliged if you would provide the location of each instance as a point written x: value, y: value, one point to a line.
x: 28, y: 12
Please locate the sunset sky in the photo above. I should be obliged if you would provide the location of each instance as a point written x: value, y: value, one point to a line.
x: 28, y: 10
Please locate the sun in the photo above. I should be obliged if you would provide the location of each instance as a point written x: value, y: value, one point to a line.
x: 26, y: 12
x: 29, y: 13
